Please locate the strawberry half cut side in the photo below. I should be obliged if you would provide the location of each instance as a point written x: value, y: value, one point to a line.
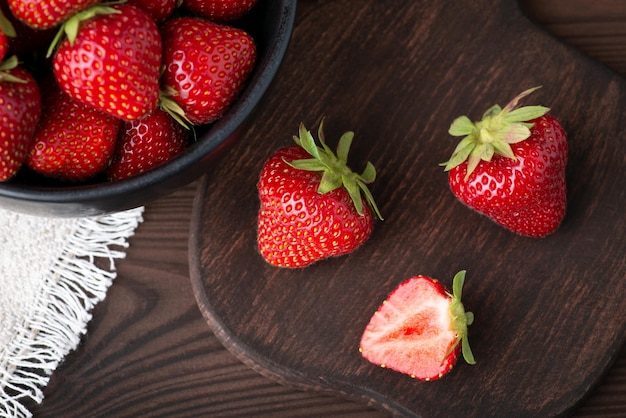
x: 420, y: 329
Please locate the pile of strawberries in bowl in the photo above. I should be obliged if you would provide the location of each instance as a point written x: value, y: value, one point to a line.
x: 107, y: 106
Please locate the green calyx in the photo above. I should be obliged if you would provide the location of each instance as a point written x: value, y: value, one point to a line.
x: 6, y: 26
x: 170, y: 106
x: 5, y: 66
x: 71, y: 26
x: 494, y: 134
x: 334, y: 169
x: 460, y: 319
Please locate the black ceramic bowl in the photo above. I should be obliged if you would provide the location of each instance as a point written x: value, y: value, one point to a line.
x: 270, y: 23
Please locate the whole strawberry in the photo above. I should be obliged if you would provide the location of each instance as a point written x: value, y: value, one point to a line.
x: 160, y: 10
x: 74, y: 141
x: 510, y: 166
x: 219, y: 10
x: 146, y: 143
x: 311, y: 203
x: 420, y: 330
x: 206, y: 65
x: 20, y: 109
x: 44, y: 14
x: 111, y: 60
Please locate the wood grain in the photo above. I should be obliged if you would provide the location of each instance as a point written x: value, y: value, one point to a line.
x: 536, y: 296
x: 596, y: 27
x: 149, y: 352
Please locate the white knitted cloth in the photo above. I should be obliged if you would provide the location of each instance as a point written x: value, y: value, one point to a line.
x: 48, y: 287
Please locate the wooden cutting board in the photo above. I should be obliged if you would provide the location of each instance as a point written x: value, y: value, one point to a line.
x: 550, y: 313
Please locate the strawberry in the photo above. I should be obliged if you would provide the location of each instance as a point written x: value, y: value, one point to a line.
x: 206, y: 66
x: 146, y: 143
x: 44, y: 14
x: 73, y: 141
x: 311, y: 203
x: 160, y: 10
x: 420, y: 329
x: 20, y: 109
x: 510, y: 166
x: 111, y: 60
x: 219, y: 10
x: 24, y: 39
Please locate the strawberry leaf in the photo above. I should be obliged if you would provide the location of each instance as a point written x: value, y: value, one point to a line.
x: 460, y: 318
x: 6, y: 26
x: 9, y: 64
x: 525, y: 113
x: 498, y: 128
x: 461, y: 126
x: 334, y: 171
x: 72, y: 25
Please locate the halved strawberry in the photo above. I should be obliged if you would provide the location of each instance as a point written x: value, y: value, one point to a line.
x: 420, y: 329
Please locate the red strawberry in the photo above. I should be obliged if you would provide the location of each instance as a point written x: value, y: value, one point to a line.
x: 24, y: 38
x: 146, y: 143
x: 44, y: 14
x: 510, y: 166
x: 112, y: 62
x: 219, y: 10
x: 20, y: 109
x: 206, y: 66
x: 160, y: 10
x: 73, y: 141
x: 420, y: 329
x: 311, y: 204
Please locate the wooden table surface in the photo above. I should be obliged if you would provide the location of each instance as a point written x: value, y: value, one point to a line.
x: 149, y: 351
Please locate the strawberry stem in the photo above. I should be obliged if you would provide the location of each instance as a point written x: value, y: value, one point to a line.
x: 494, y: 134
x: 334, y: 169
x: 460, y: 319
x: 5, y: 66
x: 71, y: 26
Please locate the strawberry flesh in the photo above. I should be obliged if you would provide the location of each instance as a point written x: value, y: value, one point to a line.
x: 415, y: 331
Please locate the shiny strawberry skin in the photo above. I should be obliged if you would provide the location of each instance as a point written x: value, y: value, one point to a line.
x: 297, y: 226
x: 114, y: 63
x: 206, y: 65
x: 20, y: 110
x: 527, y: 195
x: 73, y: 141
x: 219, y: 10
x: 44, y: 14
x: 146, y: 143
x: 159, y: 10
